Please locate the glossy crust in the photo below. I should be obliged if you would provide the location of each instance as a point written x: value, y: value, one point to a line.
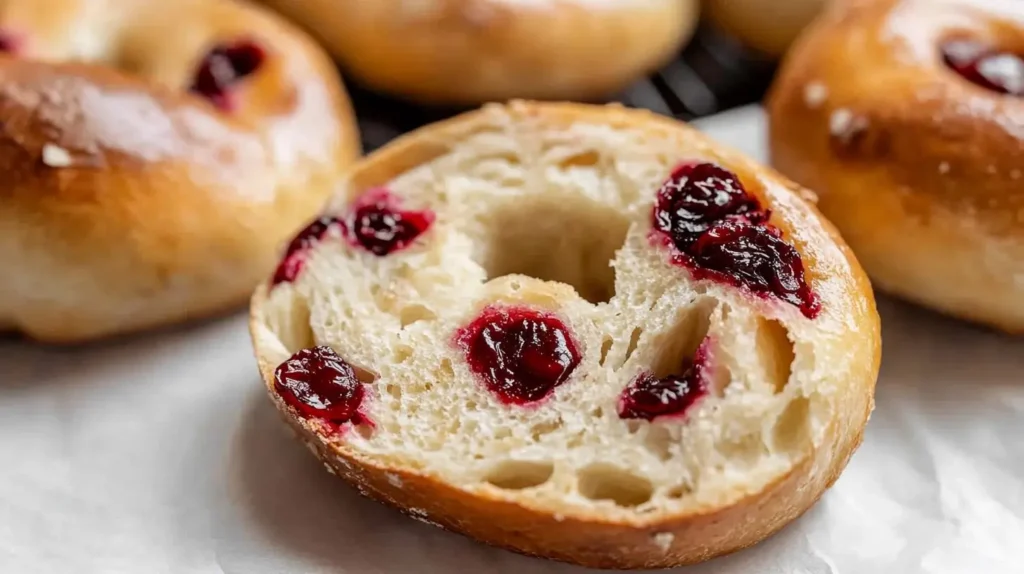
x: 127, y: 202
x: 473, y: 51
x: 746, y: 20
x: 921, y: 170
x: 592, y: 539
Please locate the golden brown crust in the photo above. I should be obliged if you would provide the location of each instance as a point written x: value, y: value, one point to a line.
x: 472, y: 51
x: 588, y: 537
x: 745, y: 19
x: 127, y: 202
x: 920, y: 169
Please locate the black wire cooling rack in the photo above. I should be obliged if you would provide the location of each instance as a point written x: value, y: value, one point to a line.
x: 714, y: 73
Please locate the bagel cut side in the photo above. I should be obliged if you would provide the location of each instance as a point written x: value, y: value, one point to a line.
x: 155, y: 158
x: 524, y: 324
x: 476, y: 51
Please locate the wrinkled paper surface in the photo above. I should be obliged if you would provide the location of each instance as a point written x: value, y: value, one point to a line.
x: 161, y: 454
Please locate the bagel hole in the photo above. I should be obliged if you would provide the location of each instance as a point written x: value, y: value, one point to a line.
x: 551, y: 238
x: 520, y: 474
x: 602, y: 481
x: 777, y: 352
x: 675, y: 348
x: 792, y: 432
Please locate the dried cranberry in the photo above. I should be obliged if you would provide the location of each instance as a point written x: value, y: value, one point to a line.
x: 648, y: 397
x: 11, y: 42
x: 695, y: 197
x: 754, y: 257
x: 223, y: 67
x: 379, y: 226
x: 989, y: 68
x: 518, y: 353
x: 318, y: 383
x: 295, y: 255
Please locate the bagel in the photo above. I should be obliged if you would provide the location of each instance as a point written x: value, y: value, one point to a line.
x: 767, y: 26
x: 585, y: 333
x: 905, y: 115
x: 475, y: 51
x: 155, y: 160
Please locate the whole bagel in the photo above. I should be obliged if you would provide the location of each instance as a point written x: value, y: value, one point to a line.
x: 472, y: 51
x: 153, y: 158
x: 906, y: 117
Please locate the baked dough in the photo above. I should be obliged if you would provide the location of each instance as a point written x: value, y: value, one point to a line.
x: 473, y: 51
x: 153, y: 159
x: 768, y: 26
x: 450, y: 338
x: 920, y: 166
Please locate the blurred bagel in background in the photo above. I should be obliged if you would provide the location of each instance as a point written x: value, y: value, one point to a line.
x: 768, y: 26
x: 473, y: 51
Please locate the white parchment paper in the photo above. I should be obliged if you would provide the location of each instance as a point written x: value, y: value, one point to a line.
x: 160, y: 454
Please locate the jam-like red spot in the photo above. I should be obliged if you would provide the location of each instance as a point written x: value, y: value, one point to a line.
x: 295, y: 255
x: 721, y: 232
x: 11, y: 42
x: 518, y: 353
x: 317, y: 383
x: 987, y: 67
x: 695, y: 197
x: 755, y: 257
x: 223, y: 67
x: 379, y: 225
x: 649, y: 398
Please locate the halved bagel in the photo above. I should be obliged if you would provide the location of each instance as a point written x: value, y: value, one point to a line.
x: 521, y: 324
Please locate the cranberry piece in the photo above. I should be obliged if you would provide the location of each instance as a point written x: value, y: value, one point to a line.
x: 10, y: 42
x: 223, y: 67
x: 518, y: 353
x: 696, y: 196
x: 295, y: 255
x: 378, y: 224
x: 318, y: 383
x: 648, y: 397
x: 995, y: 70
x: 755, y: 257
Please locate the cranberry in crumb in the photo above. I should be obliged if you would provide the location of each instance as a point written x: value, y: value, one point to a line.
x: 318, y: 383
x: 695, y: 197
x: 995, y: 70
x: 378, y: 225
x: 295, y: 256
x: 755, y: 257
x: 648, y: 397
x: 10, y: 42
x: 223, y: 67
x: 519, y: 354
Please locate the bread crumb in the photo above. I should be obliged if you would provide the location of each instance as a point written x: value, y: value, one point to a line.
x: 815, y: 94
x: 663, y: 540
x: 394, y: 480
x: 944, y: 167
x: 56, y: 156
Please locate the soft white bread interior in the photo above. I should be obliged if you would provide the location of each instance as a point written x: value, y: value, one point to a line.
x: 548, y: 205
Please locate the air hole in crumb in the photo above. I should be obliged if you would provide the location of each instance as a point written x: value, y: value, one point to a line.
x: 539, y: 430
x: 502, y: 433
x: 292, y: 325
x: 679, y: 491
x: 552, y: 239
x: 394, y: 390
x: 777, y: 352
x: 402, y: 353
x: 606, y: 345
x: 520, y: 474
x: 364, y: 375
x: 659, y: 441
x: 365, y: 431
x: 793, y: 427
x: 634, y: 340
x: 446, y: 368
x: 413, y: 313
x: 588, y: 158
x: 601, y: 481
x: 675, y: 348
x: 634, y: 425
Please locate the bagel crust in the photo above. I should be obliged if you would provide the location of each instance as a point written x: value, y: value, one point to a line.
x: 632, y: 514
x: 475, y: 51
x: 129, y: 202
x: 920, y: 169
